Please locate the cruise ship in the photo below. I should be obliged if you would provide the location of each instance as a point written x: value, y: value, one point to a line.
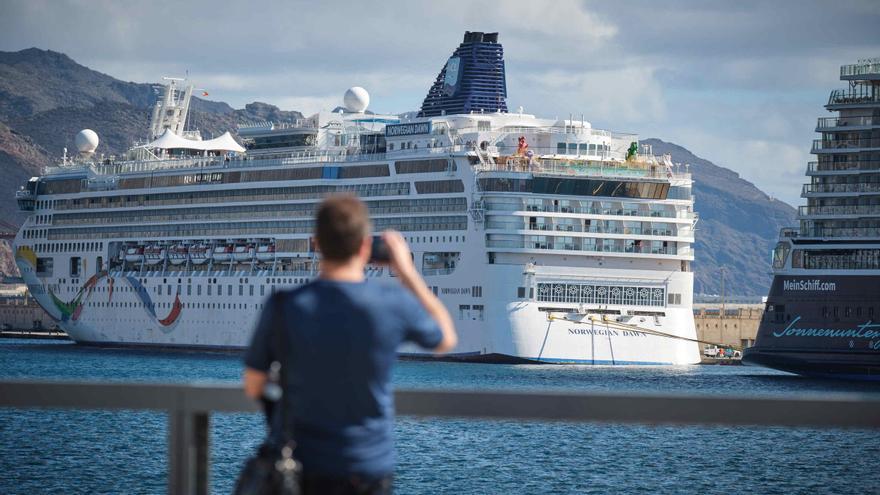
x: 823, y: 312
x: 548, y: 240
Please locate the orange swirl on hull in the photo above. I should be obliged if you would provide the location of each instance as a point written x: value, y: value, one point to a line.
x: 175, y: 312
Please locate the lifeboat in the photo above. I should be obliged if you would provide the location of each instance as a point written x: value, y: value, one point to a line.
x: 199, y: 253
x: 266, y: 252
x: 134, y: 254
x: 154, y: 254
x: 178, y: 254
x: 223, y: 252
x: 243, y: 252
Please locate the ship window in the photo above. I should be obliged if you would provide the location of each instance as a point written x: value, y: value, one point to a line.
x: 521, y: 292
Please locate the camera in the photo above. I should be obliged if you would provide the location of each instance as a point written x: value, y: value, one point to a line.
x: 379, y: 252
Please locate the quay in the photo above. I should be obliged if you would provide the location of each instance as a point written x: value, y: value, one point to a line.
x: 189, y: 408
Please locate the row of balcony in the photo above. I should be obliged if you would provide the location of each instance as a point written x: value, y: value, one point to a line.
x: 835, y: 122
x: 811, y: 231
x: 865, y: 68
x: 807, y: 211
x: 865, y: 187
x: 847, y: 166
x: 854, y: 96
x: 847, y: 144
x: 572, y: 245
x: 495, y: 224
x: 592, y: 211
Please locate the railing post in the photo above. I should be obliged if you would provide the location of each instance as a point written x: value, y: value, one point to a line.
x: 188, y: 433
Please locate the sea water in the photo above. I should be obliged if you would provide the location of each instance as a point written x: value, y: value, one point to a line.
x: 59, y: 451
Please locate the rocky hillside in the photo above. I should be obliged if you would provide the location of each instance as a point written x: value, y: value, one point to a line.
x: 46, y: 98
x: 737, y: 228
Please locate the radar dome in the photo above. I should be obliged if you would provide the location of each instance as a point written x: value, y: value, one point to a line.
x: 356, y: 99
x: 86, y: 141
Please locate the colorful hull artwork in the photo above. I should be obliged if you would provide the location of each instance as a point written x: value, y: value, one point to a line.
x: 72, y: 310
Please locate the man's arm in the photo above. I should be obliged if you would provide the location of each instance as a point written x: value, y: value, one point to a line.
x: 402, y: 262
x: 254, y: 381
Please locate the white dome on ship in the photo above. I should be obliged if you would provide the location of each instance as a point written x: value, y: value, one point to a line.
x: 356, y: 99
x: 86, y: 141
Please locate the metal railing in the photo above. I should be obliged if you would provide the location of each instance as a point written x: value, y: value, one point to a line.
x: 845, y: 144
x: 189, y: 407
x: 847, y: 166
x: 841, y: 188
x: 863, y: 68
x: 806, y: 211
x: 548, y: 244
x: 834, y: 122
x: 855, y: 96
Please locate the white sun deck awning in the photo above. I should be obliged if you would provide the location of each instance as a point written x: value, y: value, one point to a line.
x: 171, y: 141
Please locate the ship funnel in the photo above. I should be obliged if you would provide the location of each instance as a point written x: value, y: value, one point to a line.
x: 472, y: 80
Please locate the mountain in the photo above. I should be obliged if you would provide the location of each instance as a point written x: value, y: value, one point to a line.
x: 46, y: 98
x: 737, y: 229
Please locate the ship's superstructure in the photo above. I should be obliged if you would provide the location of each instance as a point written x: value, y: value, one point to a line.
x: 823, y: 310
x: 547, y: 239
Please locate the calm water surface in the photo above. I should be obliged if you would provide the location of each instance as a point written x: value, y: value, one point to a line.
x: 51, y: 451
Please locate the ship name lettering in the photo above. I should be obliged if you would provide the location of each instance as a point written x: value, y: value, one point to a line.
x: 593, y: 331
x: 455, y: 290
x: 868, y: 330
x: 809, y: 285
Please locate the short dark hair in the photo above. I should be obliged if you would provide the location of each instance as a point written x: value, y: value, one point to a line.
x: 341, y: 225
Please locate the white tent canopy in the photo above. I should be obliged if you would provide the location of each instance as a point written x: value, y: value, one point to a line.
x: 168, y: 141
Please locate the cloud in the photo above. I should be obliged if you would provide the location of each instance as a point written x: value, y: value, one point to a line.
x: 739, y: 83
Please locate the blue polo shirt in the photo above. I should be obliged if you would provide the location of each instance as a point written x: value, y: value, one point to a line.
x: 341, y: 342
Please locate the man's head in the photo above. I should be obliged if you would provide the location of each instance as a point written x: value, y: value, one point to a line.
x: 343, y: 229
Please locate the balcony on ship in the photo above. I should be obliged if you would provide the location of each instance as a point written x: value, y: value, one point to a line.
x: 591, y: 245
x: 839, y: 211
x: 861, y: 95
x: 842, y: 232
x: 840, y: 189
x: 864, y: 70
x: 842, y: 168
x: 846, y: 123
x: 847, y: 145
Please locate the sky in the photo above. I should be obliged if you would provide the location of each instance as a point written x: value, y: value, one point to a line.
x: 740, y: 83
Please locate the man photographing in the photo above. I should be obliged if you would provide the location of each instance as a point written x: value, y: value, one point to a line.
x: 341, y: 334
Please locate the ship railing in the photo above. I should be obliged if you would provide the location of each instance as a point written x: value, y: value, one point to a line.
x: 811, y: 230
x: 549, y: 243
x: 789, y: 232
x: 863, y: 68
x: 849, y: 165
x: 833, y: 122
x: 820, y: 144
x: 858, y: 95
x: 570, y: 130
x: 839, y: 210
x: 491, y: 206
x: 581, y: 168
x: 840, y: 188
x: 565, y: 228
x: 189, y: 407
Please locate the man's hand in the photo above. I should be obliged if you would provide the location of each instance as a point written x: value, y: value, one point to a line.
x: 402, y: 263
x: 401, y: 257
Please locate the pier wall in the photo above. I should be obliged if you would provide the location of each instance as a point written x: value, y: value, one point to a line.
x: 732, y: 324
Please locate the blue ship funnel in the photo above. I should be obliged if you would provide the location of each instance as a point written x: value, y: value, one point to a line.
x: 472, y: 80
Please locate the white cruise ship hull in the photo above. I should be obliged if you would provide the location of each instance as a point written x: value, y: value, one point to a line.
x: 125, y: 309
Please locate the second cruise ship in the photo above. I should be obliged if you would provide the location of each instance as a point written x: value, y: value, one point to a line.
x: 823, y: 311
x: 548, y: 240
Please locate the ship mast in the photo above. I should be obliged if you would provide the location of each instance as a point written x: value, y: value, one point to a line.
x: 171, y: 109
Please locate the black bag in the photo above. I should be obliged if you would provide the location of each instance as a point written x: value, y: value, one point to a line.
x: 273, y: 470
